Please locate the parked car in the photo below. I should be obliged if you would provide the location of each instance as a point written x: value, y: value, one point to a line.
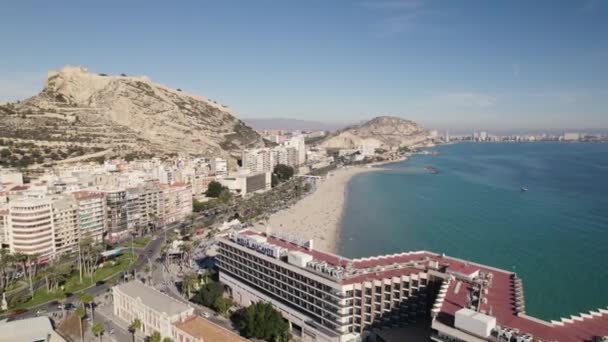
x: 17, y: 312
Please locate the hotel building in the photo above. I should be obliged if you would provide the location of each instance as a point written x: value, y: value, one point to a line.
x: 326, y: 297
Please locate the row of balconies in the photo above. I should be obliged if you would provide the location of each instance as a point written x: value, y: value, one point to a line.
x: 275, y: 277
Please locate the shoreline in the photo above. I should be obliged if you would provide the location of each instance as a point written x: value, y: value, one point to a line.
x: 318, y: 216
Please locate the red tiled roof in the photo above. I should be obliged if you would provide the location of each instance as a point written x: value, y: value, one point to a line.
x: 500, y: 299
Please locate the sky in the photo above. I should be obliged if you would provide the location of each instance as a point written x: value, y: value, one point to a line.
x: 446, y: 64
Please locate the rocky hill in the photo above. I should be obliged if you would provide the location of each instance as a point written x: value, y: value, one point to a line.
x: 384, y: 132
x: 123, y: 115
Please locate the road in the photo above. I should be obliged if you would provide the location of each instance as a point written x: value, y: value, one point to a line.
x: 153, y: 248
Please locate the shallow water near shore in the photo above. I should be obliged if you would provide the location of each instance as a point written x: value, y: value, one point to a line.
x: 555, y: 235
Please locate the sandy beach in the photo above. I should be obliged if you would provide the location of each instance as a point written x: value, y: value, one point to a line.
x: 318, y: 215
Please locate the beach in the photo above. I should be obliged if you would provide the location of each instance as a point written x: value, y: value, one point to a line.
x: 317, y: 216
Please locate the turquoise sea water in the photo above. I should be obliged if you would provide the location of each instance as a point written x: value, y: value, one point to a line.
x: 555, y: 236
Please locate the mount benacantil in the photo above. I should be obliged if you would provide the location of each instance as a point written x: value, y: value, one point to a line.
x: 125, y: 114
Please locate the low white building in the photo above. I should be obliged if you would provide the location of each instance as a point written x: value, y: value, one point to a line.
x: 156, y: 310
x: 29, y: 330
x: 244, y: 182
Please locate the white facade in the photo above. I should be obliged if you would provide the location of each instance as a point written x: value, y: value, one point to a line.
x: 219, y: 167
x: 11, y: 177
x: 31, y: 229
x: 570, y: 136
x: 299, y: 144
x: 156, y: 310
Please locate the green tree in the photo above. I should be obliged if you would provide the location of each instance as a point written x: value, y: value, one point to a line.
x: 97, y: 330
x: 283, y: 172
x: 225, y: 196
x: 81, y: 312
x: 274, y: 180
x: 189, y: 283
x: 198, y: 206
x: 87, y: 299
x: 133, y: 327
x: 214, y: 189
x: 222, y: 305
x: 167, y: 339
x: 209, y: 293
x: 262, y: 321
x: 156, y: 337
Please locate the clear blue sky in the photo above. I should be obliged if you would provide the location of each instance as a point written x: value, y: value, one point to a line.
x: 474, y: 64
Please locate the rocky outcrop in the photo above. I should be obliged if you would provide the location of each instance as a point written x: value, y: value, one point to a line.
x: 384, y: 132
x: 127, y: 114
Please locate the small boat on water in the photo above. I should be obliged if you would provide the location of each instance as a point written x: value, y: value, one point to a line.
x: 431, y: 169
x: 524, y: 189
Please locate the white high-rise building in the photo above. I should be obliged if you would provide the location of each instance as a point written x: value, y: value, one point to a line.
x: 30, y: 227
x: 299, y: 144
x: 265, y: 159
x: 257, y: 160
x: 572, y: 136
x: 92, y: 214
x: 219, y: 167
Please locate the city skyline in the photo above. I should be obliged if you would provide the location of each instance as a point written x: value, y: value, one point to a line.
x: 447, y: 66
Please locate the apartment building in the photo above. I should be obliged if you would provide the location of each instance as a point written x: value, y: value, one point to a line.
x: 265, y: 159
x: 257, y: 160
x: 200, y: 184
x: 116, y: 212
x: 283, y: 155
x: 327, y: 297
x: 150, y: 205
x: 156, y: 311
x: 219, y: 167
x: 176, y: 202
x: 66, y: 225
x: 298, y: 142
x: 3, y: 226
x: 30, y: 227
x: 92, y: 214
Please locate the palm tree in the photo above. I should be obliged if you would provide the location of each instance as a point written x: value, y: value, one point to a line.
x: 87, y: 299
x: 62, y: 300
x: 189, y: 283
x: 81, y: 312
x: 97, y: 330
x: 186, y: 249
x: 135, y: 325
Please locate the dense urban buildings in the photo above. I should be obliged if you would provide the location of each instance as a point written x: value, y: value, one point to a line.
x: 331, y: 298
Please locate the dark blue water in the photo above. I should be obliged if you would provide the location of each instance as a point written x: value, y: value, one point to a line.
x: 555, y: 236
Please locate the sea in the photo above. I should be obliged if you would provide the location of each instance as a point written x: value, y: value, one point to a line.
x: 554, y: 235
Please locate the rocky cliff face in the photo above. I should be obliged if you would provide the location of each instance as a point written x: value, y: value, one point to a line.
x: 381, y: 132
x: 125, y: 115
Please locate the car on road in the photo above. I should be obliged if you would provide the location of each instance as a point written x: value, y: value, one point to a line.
x: 99, y: 283
x: 206, y: 315
x: 17, y: 312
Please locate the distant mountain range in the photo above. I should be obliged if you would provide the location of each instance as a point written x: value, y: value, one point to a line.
x: 124, y: 114
x: 292, y: 124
